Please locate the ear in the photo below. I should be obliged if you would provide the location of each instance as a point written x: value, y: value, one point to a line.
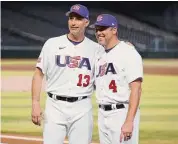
x: 87, y: 22
x: 114, y: 30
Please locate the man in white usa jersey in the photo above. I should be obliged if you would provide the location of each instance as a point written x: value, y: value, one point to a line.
x: 68, y: 64
x: 119, y: 74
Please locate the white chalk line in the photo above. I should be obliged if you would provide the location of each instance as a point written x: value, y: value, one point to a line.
x: 28, y: 138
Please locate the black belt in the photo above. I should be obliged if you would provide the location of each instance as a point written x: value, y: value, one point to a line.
x: 111, y: 107
x: 68, y: 99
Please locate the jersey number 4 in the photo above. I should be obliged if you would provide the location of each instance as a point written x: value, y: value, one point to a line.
x: 86, y: 78
x: 113, y: 86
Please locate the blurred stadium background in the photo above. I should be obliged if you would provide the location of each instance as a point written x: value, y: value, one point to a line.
x: 151, y: 26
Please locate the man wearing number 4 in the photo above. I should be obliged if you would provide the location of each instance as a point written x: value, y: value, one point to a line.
x: 119, y: 74
x: 68, y: 63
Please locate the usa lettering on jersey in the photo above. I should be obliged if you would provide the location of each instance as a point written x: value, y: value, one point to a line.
x: 105, y: 69
x: 73, y: 62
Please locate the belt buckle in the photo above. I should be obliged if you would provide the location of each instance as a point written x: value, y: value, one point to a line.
x: 80, y: 98
x: 113, y: 106
x: 54, y: 96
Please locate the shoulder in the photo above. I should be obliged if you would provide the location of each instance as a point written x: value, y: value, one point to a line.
x: 55, y: 41
x: 89, y: 41
x: 129, y: 49
x: 94, y: 45
x: 127, y: 45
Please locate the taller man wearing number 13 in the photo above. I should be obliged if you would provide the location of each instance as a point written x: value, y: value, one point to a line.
x: 68, y: 63
x: 119, y: 74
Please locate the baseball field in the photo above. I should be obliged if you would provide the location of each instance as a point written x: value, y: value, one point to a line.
x: 159, y: 103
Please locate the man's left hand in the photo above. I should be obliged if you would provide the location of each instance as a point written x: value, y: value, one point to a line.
x: 126, y: 131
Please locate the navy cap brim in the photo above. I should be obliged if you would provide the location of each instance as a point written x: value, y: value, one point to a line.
x: 69, y: 12
x: 97, y: 24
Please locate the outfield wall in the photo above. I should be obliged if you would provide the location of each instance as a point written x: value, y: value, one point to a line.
x: 33, y: 52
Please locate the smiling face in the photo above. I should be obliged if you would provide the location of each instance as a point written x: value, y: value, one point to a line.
x: 77, y: 24
x: 105, y: 34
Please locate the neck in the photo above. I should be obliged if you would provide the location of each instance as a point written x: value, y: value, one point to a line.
x: 76, y: 38
x: 113, y: 42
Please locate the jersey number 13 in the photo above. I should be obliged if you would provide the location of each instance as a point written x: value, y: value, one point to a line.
x: 86, y: 80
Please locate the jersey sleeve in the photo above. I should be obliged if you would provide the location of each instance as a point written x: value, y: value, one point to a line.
x: 42, y: 61
x: 134, y: 65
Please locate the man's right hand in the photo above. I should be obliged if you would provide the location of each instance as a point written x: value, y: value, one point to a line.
x: 36, y: 113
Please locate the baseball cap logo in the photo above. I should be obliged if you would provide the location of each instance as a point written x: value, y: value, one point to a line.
x: 99, y: 18
x: 76, y: 7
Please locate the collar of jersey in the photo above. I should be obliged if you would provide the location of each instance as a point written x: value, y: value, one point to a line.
x: 73, y: 42
x: 108, y: 50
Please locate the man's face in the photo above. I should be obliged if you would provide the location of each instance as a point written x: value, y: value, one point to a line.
x: 77, y: 24
x: 104, y: 34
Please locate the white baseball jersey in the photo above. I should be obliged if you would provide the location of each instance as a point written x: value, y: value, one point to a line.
x: 114, y: 71
x: 69, y: 68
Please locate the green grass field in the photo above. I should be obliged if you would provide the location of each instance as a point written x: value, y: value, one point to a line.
x: 159, y: 110
x: 155, y: 62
